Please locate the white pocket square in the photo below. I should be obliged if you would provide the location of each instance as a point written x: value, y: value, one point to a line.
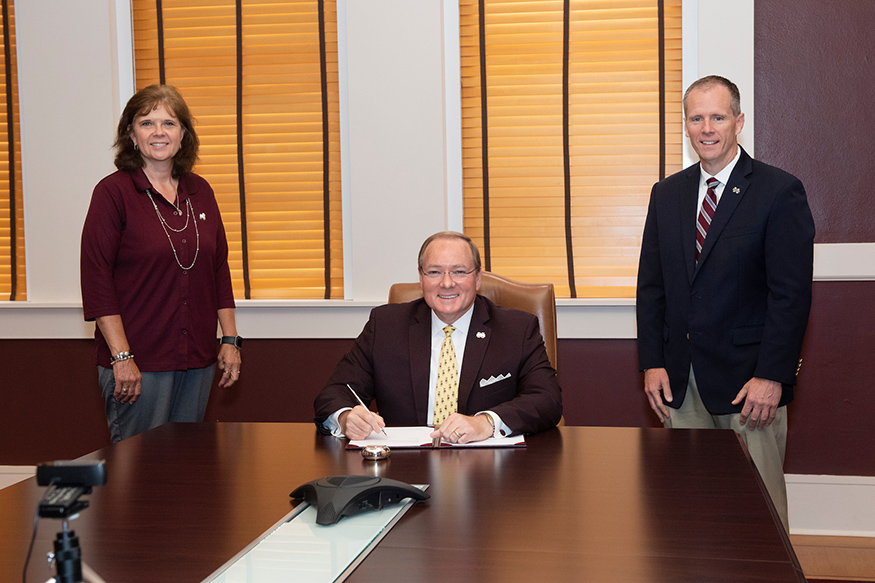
x: 494, y: 379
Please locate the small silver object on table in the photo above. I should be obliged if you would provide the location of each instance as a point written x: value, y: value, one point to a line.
x: 375, y: 452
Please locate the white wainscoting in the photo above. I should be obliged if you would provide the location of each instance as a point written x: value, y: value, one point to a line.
x: 831, y: 505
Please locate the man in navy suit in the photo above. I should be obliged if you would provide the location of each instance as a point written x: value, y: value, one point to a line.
x: 720, y: 329
x: 506, y: 384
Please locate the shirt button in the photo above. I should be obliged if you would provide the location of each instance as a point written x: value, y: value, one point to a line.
x: 184, y: 241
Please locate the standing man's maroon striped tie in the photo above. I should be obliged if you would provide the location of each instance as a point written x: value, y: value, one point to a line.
x: 706, y: 213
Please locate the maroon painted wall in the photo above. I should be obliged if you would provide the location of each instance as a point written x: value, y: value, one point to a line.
x: 52, y: 407
x: 814, y: 86
x: 831, y: 429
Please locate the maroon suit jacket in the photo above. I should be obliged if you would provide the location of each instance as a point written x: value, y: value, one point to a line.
x: 389, y: 363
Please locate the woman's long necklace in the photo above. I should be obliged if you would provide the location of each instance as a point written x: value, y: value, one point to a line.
x: 188, y: 214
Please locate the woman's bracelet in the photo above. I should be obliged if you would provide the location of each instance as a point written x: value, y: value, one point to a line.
x: 126, y: 355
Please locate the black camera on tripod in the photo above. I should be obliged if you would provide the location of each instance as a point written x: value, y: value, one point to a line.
x: 67, y: 481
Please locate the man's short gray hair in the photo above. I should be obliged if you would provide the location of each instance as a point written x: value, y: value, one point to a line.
x: 711, y: 80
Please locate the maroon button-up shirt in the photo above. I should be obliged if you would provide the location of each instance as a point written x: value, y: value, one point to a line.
x: 128, y: 268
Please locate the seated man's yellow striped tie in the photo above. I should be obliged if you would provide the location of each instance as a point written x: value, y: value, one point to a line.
x: 447, y: 395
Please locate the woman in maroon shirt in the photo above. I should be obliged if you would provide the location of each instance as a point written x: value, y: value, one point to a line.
x: 154, y: 273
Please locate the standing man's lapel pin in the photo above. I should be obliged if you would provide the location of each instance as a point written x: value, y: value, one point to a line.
x: 481, y: 334
x: 736, y: 190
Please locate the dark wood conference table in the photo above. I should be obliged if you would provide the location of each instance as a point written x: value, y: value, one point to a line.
x: 578, y: 504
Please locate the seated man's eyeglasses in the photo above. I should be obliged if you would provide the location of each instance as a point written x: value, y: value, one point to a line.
x: 457, y: 275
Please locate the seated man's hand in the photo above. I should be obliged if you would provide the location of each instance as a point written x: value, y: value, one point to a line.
x: 458, y: 428
x: 358, y: 423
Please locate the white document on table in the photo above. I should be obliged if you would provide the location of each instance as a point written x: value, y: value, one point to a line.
x: 418, y: 437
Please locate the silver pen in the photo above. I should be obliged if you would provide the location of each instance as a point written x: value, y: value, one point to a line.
x: 357, y: 398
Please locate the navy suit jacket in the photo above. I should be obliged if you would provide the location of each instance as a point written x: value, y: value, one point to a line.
x: 742, y: 310
x: 390, y: 360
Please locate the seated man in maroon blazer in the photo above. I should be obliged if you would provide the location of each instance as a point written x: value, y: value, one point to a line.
x: 453, y: 360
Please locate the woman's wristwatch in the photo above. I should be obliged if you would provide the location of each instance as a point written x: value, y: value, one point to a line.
x: 233, y: 340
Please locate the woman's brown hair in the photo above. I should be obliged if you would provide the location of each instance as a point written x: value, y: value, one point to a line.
x: 145, y: 100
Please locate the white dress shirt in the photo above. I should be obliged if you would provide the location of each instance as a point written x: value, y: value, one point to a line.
x: 722, y: 176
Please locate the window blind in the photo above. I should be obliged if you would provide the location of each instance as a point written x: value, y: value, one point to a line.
x: 571, y: 110
x: 261, y: 80
x: 12, y: 265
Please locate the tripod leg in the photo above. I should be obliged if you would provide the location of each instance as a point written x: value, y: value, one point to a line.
x: 89, y: 575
